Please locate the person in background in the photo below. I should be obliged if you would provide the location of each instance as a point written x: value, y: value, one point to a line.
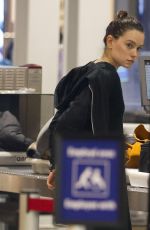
x: 89, y: 98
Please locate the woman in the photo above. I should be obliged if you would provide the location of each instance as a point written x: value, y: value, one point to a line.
x: 89, y: 98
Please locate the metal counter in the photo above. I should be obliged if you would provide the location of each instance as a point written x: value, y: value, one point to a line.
x: 138, y: 198
x: 15, y: 179
x: 138, y: 205
x: 19, y: 178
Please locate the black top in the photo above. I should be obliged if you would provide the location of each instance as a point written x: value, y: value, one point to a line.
x: 88, y: 99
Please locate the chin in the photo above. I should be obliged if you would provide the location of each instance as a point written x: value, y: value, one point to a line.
x: 127, y: 65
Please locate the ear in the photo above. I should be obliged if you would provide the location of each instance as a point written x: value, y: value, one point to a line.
x: 109, y: 41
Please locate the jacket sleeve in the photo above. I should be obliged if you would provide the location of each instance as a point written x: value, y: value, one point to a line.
x: 75, y: 119
x: 107, y: 103
x: 100, y: 111
x: 77, y: 115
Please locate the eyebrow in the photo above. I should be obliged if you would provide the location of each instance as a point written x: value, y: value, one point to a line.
x: 135, y: 43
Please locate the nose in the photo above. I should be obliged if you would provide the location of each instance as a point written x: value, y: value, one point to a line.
x: 134, y: 53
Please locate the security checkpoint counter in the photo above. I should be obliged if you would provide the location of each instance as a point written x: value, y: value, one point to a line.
x: 138, y: 196
x: 14, y: 179
x: 18, y: 178
x: 19, y: 187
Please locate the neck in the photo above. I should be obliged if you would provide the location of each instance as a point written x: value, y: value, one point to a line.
x: 105, y: 58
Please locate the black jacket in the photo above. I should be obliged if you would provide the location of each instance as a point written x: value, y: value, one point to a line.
x: 88, y: 99
x: 11, y: 136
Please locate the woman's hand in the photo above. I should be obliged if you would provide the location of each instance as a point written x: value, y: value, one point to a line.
x: 51, y: 180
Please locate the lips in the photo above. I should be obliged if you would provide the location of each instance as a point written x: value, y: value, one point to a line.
x: 131, y: 61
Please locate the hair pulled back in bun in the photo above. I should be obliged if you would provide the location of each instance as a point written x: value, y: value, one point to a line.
x: 122, y: 23
x: 121, y: 15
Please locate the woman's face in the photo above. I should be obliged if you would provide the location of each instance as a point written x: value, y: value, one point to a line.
x: 124, y: 50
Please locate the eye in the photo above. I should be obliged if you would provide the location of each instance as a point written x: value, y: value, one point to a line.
x: 139, y: 48
x: 130, y: 45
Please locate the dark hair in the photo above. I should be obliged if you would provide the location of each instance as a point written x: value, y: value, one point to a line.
x: 121, y: 24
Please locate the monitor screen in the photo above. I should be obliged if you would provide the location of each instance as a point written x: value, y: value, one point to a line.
x: 145, y: 81
x: 147, y: 75
x: 21, y: 118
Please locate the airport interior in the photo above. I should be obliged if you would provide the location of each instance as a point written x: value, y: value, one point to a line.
x: 40, y: 42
